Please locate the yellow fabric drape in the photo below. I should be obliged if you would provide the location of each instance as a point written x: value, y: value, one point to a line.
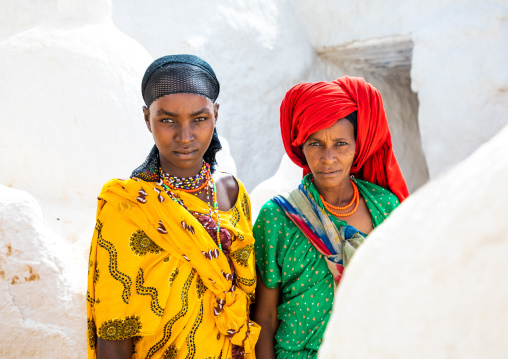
x: 156, y: 275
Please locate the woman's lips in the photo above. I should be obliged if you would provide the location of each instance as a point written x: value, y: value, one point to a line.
x: 185, y: 153
x: 328, y: 173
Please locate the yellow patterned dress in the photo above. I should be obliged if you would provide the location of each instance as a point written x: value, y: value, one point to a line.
x: 156, y: 275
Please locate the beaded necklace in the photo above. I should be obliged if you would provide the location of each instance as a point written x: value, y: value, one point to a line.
x: 190, y: 185
x: 355, y: 200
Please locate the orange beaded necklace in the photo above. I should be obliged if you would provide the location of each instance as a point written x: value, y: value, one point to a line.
x: 355, y: 200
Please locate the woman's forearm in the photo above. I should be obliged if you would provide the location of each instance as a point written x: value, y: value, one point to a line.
x: 265, y: 314
x: 114, y: 349
x: 265, y: 347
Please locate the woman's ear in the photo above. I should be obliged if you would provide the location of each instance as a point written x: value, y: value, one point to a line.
x: 146, y: 114
x: 216, y: 111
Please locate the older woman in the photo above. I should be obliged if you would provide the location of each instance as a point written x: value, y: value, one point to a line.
x: 338, y: 133
x: 171, y: 262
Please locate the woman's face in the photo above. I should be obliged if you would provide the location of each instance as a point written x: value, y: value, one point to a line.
x: 330, y: 153
x: 182, y: 127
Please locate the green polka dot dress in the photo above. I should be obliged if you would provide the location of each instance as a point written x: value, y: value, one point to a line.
x: 286, y: 259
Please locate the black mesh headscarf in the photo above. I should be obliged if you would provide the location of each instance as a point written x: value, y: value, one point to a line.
x: 178, y: 74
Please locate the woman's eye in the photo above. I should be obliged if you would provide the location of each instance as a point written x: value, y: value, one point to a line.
x: 314, y: 144
x: 167, y: 120
x: 341, y: 143
x: 199, y: 119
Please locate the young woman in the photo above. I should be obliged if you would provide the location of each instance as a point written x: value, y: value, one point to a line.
x: 171, y: 261
x: 338, y: 133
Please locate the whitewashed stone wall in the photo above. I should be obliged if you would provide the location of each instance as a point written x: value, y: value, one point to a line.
x: 457, y: 72
x: 287, y: 177
x: 429, y: 282
x: 71, y: 112
x: 42, y: 299
x: 21, y: 15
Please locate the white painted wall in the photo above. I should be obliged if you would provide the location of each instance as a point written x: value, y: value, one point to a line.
x: 458, y: 71
x: 71, y: 113
x: 287, y: 177
x: 429, y: 282
x: 21, y: 15
x: 41, y: 291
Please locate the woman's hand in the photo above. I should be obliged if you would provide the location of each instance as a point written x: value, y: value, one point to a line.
x: 114, y: 349
x: 265, y: 314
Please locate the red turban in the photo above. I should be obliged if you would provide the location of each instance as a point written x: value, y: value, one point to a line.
x: 311, y: 107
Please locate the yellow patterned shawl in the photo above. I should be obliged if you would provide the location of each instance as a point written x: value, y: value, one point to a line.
x: 156, y: 275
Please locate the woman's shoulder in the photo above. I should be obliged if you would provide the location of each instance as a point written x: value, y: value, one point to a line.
x: 229, y: 186
x: 227, y: 181
x: 270, y: 206
x: 133, y: 189
x: 271, y: 212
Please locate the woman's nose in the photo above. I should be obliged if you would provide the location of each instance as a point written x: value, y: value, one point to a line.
x: 185, y: 134
x: 328, y: 156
